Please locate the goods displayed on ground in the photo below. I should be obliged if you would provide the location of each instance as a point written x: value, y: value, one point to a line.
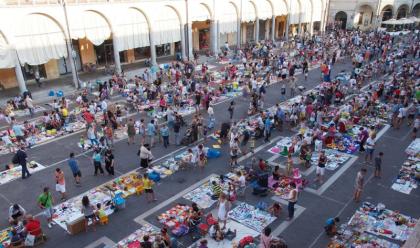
x: 70, y: 210
x: 370, y: 224
x: 16, y: 172
x: 251, y: 216
x: 413, y: 149
x: 126, y: 184
x: 203, y: 194
x: 175, y: 216
x: 133, y: 240
x: 4, y: 237
x: 334, y: 158
x: 408, y: 177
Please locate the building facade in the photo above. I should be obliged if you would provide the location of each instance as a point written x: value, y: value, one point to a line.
x: 368, y: 14
x: 51, y: 38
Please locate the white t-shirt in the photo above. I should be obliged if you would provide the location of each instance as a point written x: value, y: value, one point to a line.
x: 370, y: 143
x: 241, y: 181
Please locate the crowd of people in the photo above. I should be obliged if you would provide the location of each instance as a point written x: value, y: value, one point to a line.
x: 164, y: 96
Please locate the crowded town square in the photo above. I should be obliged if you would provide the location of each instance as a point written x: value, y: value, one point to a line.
x: 209, y: 123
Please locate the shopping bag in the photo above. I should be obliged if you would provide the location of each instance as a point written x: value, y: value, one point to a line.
x: 30, y: 240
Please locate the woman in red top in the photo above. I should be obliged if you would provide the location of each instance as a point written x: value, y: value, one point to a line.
x: 33, y: 226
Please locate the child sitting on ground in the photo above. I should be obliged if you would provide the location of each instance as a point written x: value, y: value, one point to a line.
x: 275, y: 209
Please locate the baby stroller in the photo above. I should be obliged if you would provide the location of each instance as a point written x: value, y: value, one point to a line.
x: 188, y: 137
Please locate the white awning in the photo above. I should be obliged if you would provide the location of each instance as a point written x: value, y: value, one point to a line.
x: 89, y: 25
x: 294, y: 12
x: 228, y: 22
x: 317, y: 13
x: 199, y: 12
x: 7, y: 54
x: 280, y: 7
x: 133, y: 30
x: 167, y: 27
x: 306, y: 11
x: 248, y: 12
x: 265, y: 11
x: 39, y: 39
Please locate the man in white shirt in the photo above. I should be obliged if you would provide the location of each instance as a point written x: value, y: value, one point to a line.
x: 370, y: 148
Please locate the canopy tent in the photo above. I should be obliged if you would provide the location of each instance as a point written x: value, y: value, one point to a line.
x: 294, y: 12
x: 280, y: 7
x: 167, y: 27
x: 265, y: 11
x: 133, y: 30
x: 405, y: 21
x: 200, y: 13
x: 390, y: 22
x: 414, y: 19
x: 38, y: 39
x: 317, y: 10
x: 306, y: 13
x: 248, y: 12
x: 90, y: 25
x: 7, y: 54
x: 229, y: 19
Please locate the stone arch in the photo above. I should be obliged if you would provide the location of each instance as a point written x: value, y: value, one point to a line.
x: 416, y: 10
x: 92, y: 25
x: 365, y: 14
x: 341, y: 19
x: 167, y: 28
x: 208, y: 9
x: 134, y: 29
x: 7, y: 53
x: 387, y: 12
x: 39, y: 38
x: 403, y: 11
x: 272, y: 6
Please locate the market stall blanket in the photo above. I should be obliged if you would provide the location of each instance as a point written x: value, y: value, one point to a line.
x: 133, y: 240
x: 334, y: 158
x: 16, y: 172
x: 241, y: 232
x: 377, y: 220
x: 408, y: 177
x: 414, y: 148
x: 25, y: 112
x: 5, y: 237
x: 350, y: 238
x: 70, y: 210
x: 251, y: 216
x: 202, y: 195
x: 174, y: 216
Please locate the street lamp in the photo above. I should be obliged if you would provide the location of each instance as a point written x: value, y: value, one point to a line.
x: 70, y: 49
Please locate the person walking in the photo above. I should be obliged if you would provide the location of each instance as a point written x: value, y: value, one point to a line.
x: 223, y: 208
x: 88, y: 211
x: 283, y: 92
x: 267, y: 128
x: 164, y: 132
x: 265, y: 238
x: 320, y: 169
x: 177, y: 128
x: 148, y: 188
x: 378, y: 164
x: 231, y: 109
x: 60, y: 183
x: 20, y: 158
x: 131, y: 131
x: 97, y: 161
x: 151, y: 132
x: 370, y: 148
x: 45, y: 202
x: 109, y: 162
x: 360, y: 179
x: 292, y: 199
x: 145, y: 156
x: 74, y: 167
x: 30, y: 105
